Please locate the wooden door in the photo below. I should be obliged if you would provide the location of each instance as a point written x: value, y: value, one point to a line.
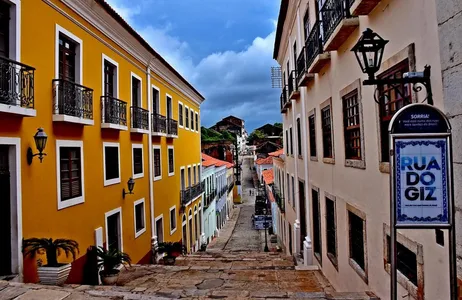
x: 5, y: 213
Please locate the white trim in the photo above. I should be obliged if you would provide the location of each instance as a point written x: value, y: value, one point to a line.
x: 158, y: 90
x: 79, y: 52
x: 15, y: 31
x: 197, y: 127
x: 190, y: 214
x: 184, y: 220
x: 116, y: 64
x: 16, y: 261
x: 131, y: 89
x: 153, y: 162
x: 161, y: 216
x: 137, y: 202
x: 182, y: 108
x: 195, y: 209
x: 22, y: 111
x: 71, y: 119
x: 114, y: 180
x: 186, y: 108
x: 140, y: 175
x: 108, y: 214
x: 168, y: 161
x: 170, y: 220
x: 76, y: 200
x: 114, y: 126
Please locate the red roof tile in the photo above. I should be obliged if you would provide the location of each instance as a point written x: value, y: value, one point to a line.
x: 276, y: 153
x: 265, y: 161
x: 268, y: 176
x: 208, y: 161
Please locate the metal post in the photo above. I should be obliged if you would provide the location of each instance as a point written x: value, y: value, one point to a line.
x: 452, y: 233
x: 393, y: 256
x: 266, y: 240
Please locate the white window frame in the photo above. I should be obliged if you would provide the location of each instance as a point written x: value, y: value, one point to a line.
x: 168, y: 161
x: 186, y: 124
x: 131, y: 89
x: 160, y: 217
x: 193, y: 122
x: 15, y: 30
x: 79, y: 52
x: 182, y: 105
x: 108, y: 214
x: 170, y: 220
x: 75, y: 200
x: 116, y: 81
x: 197, y: 116
x: 166, y: 105
x: 141, y: 175
x: 158, y: 102
x: 114, y: 180
x: 154, y: 147
x: 138, y: 202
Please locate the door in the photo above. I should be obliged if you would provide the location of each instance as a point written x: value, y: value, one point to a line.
x: 185, y: 234
x: 191, y: 238
x: 196, y: 228
x: 160, y: 230
x: 189, y: 177
x: 113, y: 232
x: 155, y: 101
x: 182, y: 180
x: 301, y: 193
x: 5, y: 213
x: 290, y: 239
x: 169, y: 107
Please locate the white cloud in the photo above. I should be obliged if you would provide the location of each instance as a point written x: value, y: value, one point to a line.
x: 127, y: 13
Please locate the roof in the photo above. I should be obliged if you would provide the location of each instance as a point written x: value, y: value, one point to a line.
x: 265, y: 161
x: 208, y: 161
x: 145, y: 44
x: 276, y: 153
x: 280, y: 27
x: 268, y: 176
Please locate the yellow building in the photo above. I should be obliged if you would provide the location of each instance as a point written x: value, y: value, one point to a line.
x: 113, y: 109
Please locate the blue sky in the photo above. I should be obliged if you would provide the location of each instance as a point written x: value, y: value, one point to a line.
x: 223, y: 47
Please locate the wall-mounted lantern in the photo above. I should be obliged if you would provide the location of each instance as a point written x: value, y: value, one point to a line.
x: 131, y: 186
x: 40, y: 143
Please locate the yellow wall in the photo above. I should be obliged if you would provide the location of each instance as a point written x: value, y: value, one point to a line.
x: 40, y: 215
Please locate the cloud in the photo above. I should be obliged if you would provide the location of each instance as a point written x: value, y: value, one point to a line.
x: 126, y: 12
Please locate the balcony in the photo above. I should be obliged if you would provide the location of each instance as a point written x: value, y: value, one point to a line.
x: 73, y: 102
x: 284, y: 100
x: 140, y: 120
x: 113, y: 113
x: 316, y: 59
x: 362, y: 7
x: 172, y: 128
x: 302, y: 70
x: 230, y: 187
x: 191, y: 193
x: 337, y: 23
x: 159, y: 125
x: 279, y: 199
x: 16, y: 88
x: 294, y: 93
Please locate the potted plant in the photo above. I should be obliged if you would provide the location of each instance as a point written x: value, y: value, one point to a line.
x: 171, y: 250
x: 52, y: 273
x: 110, y: 261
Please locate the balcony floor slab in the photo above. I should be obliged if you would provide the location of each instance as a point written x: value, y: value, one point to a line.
x: 363, y: 7
x: 295, y: 95
x: 158, y: 134
x: 72, y: 119
x: 306, y: 77
x: 341, y: 34
x: 139, y: 130
x: 174, y: 136
x: 114, y: 126
x: 319, y: 62
x: 17, y: 110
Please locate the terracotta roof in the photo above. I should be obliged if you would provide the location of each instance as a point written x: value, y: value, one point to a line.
x: 276, y: 153
x: 145, y: 44
x: 268, y: 176
x: 265, y: 161
x: 208, y: 161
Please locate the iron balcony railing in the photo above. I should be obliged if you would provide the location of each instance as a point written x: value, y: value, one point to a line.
x: 172, y: 126
x: 279, y: 199
x: 230, y: 187
x: 16, y: 83
x: 190, y: 193
x: 292, y: 82
x: 72, y: 99
x: 140, y: 118
x: 301, y: 64
x: 114, y: 111
x: 284, y: 97
x: 332, y: 13
x: 313, y: 46
x: 159, y: 123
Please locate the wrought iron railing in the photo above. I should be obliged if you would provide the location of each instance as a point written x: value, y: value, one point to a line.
x: 279, y: 199
x: 230, y: 187
x: 292, y: 82
x: 332, y: 13
x: 301, y: 64
x: 313, y: 45
x: 190, y: 193
x: 159, y: 123
x: 114, y: 111
x: 284, y: 97
x: 140, y: 118
x: 172, y: 126
x: 16, y: 83
x: 72, y: 99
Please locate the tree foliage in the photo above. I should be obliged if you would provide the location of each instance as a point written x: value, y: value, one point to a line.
x: 210, y: 135
x: 52, y: 248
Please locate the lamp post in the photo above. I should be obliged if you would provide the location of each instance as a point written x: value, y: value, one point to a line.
x: 40, y: 139
x: 131, y: 186
x: 265, y: 224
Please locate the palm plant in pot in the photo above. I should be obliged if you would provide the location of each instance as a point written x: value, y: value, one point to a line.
x: 52, y: 273
x: 110, y: 261
x: 171, y: 250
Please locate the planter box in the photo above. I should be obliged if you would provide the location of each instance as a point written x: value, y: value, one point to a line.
x: 54, y: 275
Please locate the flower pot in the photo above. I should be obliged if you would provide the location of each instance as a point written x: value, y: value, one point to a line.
x: 109, y: 278
x: 169, y: 260
x: 54, y: 275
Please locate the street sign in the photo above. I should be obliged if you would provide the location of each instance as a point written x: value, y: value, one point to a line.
x: 262, y: 220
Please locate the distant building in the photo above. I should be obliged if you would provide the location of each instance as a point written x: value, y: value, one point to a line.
x: 270, y: 130
x: 236, y: 126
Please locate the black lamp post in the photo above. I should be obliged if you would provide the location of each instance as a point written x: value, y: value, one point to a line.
x: 265, y: 224
x: 40, y: 139
x: 131, y: 186
x: 369, y: 53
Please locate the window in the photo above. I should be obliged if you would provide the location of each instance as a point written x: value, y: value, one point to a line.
x: 317, y: 244
x: 299, y: 137
x: 110, y: 77
x: 291, y: 141
x: 67, y: 58
x: 194, y: 174
x: 155, y: 100
x: 70, y: 181
x: 312, y: 129
x: 189, y: 177
x: 331, y: 231
x: 171, y: 164
x: 293, y: 192
x: 394, y: 97
x: 406, y: 261
x: 326, y: 132
x: 169, y: 107
x: 192, y: 119
x: 288, y: 188
x: 287, y: 142
x: 172, y: 220
x: 306, y: 24
x: 136, y: 90
x: 356, y: 229
x: 180, y: 114
x: 352, y: 126
x: 111, y: 159
x: 186, y: 113
x: 157, y: 163
x: 197, y: 122
x: 137, y: 156
x: 295, y: 54
x: 140, y: 213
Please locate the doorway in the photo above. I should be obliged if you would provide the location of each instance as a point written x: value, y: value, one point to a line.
x: 185, y: 234
x: 290, y: 239
x: 5, y: 212
x: 191, y: 238
x: 114, y: 230
x: 160, y: 229
x: 301, y: 193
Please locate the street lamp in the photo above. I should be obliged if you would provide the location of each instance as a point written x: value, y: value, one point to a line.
x: 265, y: 224
x: 131, y: 186
x: 40, y: 139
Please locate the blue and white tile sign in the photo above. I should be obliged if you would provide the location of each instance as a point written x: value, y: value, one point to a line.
x: 421, y: 181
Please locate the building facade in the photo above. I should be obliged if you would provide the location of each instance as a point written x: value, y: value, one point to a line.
x: 336, y: 140
x: 113, y: 109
